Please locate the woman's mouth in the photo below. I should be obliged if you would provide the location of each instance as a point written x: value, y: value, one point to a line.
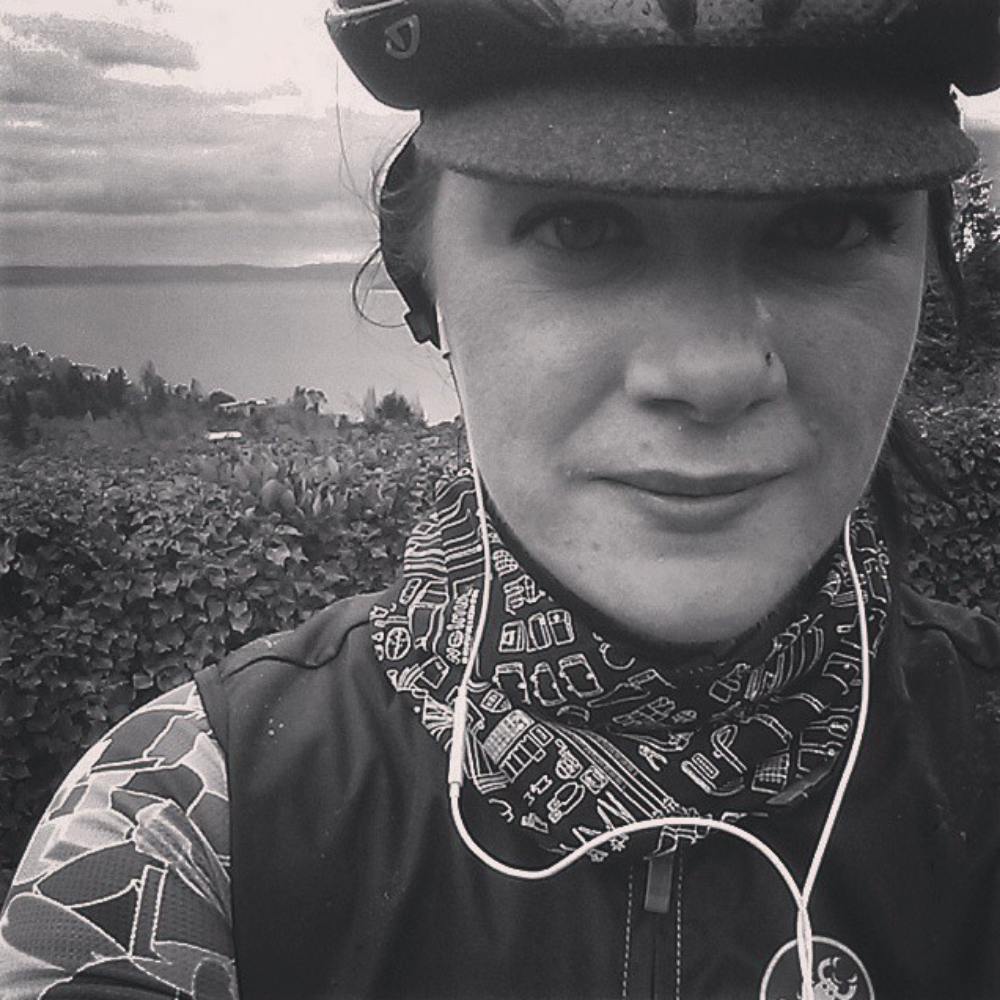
x: 687, y: 502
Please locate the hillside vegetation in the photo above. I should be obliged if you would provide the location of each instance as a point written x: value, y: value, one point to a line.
x: 123, y: 569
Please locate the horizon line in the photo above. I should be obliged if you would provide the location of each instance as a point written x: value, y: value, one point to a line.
x: 354, y: 262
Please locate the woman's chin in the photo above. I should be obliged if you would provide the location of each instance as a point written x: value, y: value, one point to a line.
x: 685, y: 625
x: 695, y: 586
x: 682, y: 602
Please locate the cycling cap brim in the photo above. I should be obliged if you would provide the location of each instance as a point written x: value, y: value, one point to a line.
x: 694, y: 134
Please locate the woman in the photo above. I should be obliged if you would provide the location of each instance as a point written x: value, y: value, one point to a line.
x: 675, y: 254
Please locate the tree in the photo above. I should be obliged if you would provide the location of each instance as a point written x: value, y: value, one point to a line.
x: 116, y: 386
x: 154, y: 387
x: 315, y: 398
x: 953, y: 361
x: 307, y: 400
x: 19, y: 410
x: 393, y: 407
x: 977, y: 225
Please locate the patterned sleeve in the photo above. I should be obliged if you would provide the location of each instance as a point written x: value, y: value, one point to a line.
x: 124, y: 890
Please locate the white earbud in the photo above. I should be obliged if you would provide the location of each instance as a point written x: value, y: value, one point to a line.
x: 442, y: 336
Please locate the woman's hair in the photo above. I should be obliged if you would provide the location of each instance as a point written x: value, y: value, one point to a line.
x: 403, y: 201
x: 402, y: 194
x: 942, y: 221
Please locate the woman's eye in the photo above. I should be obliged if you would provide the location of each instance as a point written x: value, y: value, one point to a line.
x: 579, y: 229
x: 832, y: 226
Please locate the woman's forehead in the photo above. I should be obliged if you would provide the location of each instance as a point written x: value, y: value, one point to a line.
x: 465, y: 192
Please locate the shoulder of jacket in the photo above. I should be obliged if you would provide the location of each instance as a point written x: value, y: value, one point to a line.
x: 270, y: 667
x: 312, y: 644
x: 974, y: 637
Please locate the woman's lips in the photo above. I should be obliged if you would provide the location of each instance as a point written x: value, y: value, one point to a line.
x: 692, y: 503
x: 680, y: 485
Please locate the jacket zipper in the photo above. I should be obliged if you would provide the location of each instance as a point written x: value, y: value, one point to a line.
x: 653, y: 935
x: 627, y: 962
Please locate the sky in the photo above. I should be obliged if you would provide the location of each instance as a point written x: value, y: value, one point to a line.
x: 188, y: 132
x: 182, y: 131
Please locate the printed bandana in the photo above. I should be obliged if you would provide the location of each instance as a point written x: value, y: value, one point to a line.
x: 571, y: 735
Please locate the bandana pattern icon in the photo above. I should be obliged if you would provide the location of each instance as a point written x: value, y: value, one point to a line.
x: 838, y: 974
x: 571, y: 735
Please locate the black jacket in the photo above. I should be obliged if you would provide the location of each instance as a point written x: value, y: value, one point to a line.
x: 349, y: 880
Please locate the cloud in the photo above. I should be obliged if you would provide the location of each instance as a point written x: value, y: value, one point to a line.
x: 105, y: 44
x: 121, y: 151
x: 158, y: 6
x: 119, y: 148
x: 273, y: 171
x: 108, y: 146
x: 44, y: 78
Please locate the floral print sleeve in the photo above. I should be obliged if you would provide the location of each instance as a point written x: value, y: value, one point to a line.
x: 124, y: 888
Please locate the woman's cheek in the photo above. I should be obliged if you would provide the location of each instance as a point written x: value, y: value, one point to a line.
x: 531, y: 355
x: 855, y: 339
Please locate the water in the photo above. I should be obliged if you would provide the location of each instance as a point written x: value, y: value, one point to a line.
x: 255, y: 339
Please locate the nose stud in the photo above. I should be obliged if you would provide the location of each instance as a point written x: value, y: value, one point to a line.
x: 769, y: 358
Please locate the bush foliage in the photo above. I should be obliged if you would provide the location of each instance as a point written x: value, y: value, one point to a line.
x: 124, y: 571
x: 955, y: 539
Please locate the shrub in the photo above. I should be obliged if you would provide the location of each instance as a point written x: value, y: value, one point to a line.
x: 952, y: 363
x: 122, y: 572
x: 955, y: 543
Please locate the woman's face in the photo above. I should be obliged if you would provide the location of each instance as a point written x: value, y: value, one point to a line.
x: 676, y: 403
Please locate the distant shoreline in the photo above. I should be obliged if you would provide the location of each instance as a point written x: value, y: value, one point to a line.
x: 140, y: 274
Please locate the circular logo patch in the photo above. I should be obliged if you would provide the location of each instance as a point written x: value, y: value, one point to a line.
x: 837, y: 974
x: 402, y: 37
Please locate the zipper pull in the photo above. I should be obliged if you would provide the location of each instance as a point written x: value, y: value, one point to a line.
x: 660, y: 883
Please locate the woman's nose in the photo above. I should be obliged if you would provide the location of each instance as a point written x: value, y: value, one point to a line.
x: 709, y: 355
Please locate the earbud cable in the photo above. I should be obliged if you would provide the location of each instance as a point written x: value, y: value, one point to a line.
x: 456, y: 771
x: 337, y: 15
